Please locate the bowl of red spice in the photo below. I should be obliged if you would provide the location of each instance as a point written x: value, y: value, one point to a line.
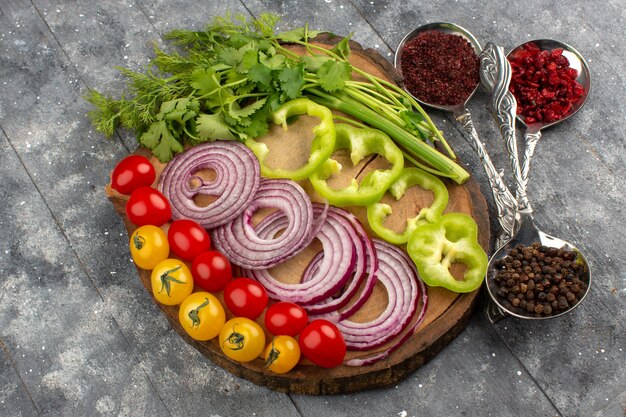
x: 439, y: 64
x: 550, y: 81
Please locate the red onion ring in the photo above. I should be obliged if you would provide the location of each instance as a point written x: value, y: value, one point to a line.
x: 399, y: 276
x: 237, y: 180
x: 364, y: 274
x: 241, y: 243
x: 344, y: 249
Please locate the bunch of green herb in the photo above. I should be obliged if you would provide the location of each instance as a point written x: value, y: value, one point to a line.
x: 222, y: 83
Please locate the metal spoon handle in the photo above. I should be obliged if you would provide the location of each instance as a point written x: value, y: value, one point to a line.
x: 495, y: 73
x: 530, y: 141
x: 505, y: 202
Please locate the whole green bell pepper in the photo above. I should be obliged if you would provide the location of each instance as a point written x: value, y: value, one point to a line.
x: 434, y: 247
x: 321, y: 147
x: 377, y: 212
x: 360, y: 142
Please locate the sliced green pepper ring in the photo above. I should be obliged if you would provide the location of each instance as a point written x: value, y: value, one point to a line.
x: 361, y: 142
x: 377, y: 212
x: 435, y: 247
x: 321, y: 147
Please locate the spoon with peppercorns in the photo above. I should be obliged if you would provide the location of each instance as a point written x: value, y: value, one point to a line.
x: 439, y: 64
x: 533, y: 275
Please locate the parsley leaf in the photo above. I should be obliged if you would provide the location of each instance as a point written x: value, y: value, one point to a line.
x: 343, y: 48
x: 314, y: 62
x: 212, y: 127
x: 415, y: 123
x: 161, y: 141
x: 262, y: 75
x: 250, y: 58
x: 292, y: 80
x: 237, y: 112
x: 272, y: 62
x: 296, y: 35
x: 176, y: 117
x: 258, y: 125
x: 334, y: 74
x: 205, y: 81
x: 180, y: 110
x: 230, y: 56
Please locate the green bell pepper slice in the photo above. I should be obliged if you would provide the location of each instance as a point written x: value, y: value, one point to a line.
x: 377, y: 212
x: 434, y: 247
x: 360, y: 142
x: 321, y: 147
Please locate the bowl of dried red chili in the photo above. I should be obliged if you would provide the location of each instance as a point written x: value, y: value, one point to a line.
x: 439, y: 64
x: 550, y: 81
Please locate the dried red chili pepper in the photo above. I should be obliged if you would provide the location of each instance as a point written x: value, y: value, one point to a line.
x: 543, y: 84
x: 439, y: 68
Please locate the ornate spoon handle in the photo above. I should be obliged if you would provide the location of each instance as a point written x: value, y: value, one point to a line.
x: 505, y: 202
x: 530, y: 141
x: 495, y: 73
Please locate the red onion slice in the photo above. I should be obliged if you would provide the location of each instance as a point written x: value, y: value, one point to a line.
x: 394, y: 344
x: 363, y: 276
x: 236, y: 182
x: 399, y: 276
x: 241, y: 243
x: 344, y: 253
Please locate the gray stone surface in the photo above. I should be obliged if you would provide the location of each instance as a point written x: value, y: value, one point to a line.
x: 79, y: 334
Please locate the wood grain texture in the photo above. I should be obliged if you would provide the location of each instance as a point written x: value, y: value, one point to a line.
x: 447, y: 313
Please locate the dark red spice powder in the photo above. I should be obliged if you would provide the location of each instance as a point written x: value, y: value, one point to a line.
x: 439, y: 68
x: 543, y: 84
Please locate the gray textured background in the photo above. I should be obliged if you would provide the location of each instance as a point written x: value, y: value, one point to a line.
x: 79, y: 335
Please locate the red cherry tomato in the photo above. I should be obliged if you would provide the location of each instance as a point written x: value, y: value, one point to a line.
x: 322, y: 343
x: 211, y: 271
x: 245, y: 297
x: 285, y: 319
x: 132, y: 172
x: 188, y: 239
x: 148, y: 206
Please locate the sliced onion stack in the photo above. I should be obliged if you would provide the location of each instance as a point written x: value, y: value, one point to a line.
x: 404, y: 288
x: 363, y: 276
x: 346, y: 250
x: 240, y: 242
x: 236, y: 182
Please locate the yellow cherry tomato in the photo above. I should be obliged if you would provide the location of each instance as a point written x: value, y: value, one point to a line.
x: 171, y: 282
x: 149, y: 246
x: 282, y: 354
x: 201, y: 315
x: 242, y: 339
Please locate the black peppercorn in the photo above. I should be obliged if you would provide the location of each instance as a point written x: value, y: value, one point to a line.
x: 539, y: 280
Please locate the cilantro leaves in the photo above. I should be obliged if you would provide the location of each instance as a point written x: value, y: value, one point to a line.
x: 223, y: 83
x: 333, y: 75
x: 175, y: 118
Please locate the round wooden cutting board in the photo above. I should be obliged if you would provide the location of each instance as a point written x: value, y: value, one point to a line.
x: 447, y: 312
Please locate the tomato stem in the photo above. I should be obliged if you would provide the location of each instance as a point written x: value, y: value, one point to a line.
x: 273, y: 355
x: 193, y: 314
x: 166, y: 280
x: 138, y: 241
x: 236, y: 339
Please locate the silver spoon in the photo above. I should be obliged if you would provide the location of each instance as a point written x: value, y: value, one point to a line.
x: 505, y: 202
x: 532, y: 132
x: 495, y: 74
